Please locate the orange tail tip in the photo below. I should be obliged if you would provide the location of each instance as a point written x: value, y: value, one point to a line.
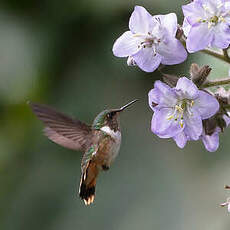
x: 88, y: 183
x: 87, y: 193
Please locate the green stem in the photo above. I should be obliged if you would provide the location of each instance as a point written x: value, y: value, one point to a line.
x: 228, y: 108
x: 224, y: 81
x: 223, y: 57
x: 225, y: 51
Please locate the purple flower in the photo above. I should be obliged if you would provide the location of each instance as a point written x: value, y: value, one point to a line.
x: 207, y: 23
x: 150, y: 41
x: 179, y: 111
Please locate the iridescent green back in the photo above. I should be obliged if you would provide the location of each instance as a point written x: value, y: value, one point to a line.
x: 100, y: 119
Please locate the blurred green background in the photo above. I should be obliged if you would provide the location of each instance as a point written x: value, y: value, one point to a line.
x: 59, y: 53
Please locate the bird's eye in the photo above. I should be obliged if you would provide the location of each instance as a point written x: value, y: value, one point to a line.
x: 110, y: 115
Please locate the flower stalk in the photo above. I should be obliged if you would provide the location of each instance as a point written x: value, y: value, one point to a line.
x: 224, y: 57
x: 223, y: 81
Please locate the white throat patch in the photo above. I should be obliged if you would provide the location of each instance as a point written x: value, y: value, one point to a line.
x: 116, y: 135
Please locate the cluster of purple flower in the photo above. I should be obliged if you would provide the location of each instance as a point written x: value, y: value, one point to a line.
x: 151, y: 40
x: 186, y: 113
x: 183, y: 111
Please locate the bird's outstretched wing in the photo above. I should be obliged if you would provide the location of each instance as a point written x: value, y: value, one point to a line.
x: 63, y: 130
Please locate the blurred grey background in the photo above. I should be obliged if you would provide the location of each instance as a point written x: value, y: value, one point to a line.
x: 59, y: 53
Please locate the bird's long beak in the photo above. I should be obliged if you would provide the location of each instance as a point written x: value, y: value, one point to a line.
x: 127, y: 105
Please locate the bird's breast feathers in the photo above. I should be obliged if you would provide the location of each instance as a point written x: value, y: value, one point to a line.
x: 115, y: 144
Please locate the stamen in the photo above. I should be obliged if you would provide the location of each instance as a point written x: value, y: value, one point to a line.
x: 209, y: 25
x: 179, y: 109
x: 214, y: 19
x: 170, y: 117
x: 222, y: 19
x: 200, y: 20
x: 138, y: 35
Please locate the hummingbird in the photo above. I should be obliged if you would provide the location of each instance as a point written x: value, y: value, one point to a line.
x: 99, y: 142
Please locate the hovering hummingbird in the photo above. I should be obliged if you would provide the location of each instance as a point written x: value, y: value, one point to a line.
x: 100, y: 142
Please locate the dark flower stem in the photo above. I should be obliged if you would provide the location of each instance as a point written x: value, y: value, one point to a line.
x: 228, y: 108
x: 223, y: 81
x: 225, y: 51
x: 224, y: 57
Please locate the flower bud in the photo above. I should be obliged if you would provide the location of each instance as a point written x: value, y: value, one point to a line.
x: 199, y: 74
x: 179, y: 32
x: 170, y: 80
x: 223, y: 96
x: 221, y: 118
x: 130, y: 61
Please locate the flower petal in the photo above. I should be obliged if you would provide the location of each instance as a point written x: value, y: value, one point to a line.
x: 186, y: 88
x: 199, y: 37
x: 193, y: 125
x: 169, y: 22
x: 164, y: 127
x: 125, y: 45
x: 221, y: 37
x: 162, y: 95
x: 186, y: 27
x: 180, y: 140
x: 192, y: 12
x: 172, y: 52
x: 206, y: 105
x: 147, y: 60
x: 211, y: 143
x: 140, y: 21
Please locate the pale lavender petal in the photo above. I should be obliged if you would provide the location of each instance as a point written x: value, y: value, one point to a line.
x: 221, y: 37
x: 125, y: 45
x: 211, y: 143
x: 172, y: 52
x: 199, y: 38
x: 147, y: 60
x: 152, y: 98
x: 180, y: 140
x: 193, y: 12
x: 169, y: 22
x: 186, y: 27
x: 162, y: 95
x: 163, y: 126
x: 140, y: 21
x: 193, y: 125
x: 186, y: 88
x: 206, y: 105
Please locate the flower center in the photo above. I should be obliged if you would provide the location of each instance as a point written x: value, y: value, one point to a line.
x: 180, y: 108
x: 148, y: 41
x: 214, y: 15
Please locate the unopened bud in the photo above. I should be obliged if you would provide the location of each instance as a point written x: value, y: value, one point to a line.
x: 223, y: 96
x: 227, y: 187
x: 179, y: 32
x: 170, y: 80
x: 199, y: 74
x: 130, y: 61
x: 210, y: 125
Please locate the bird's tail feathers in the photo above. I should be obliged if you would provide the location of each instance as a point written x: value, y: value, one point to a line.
x: 88, y: 183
